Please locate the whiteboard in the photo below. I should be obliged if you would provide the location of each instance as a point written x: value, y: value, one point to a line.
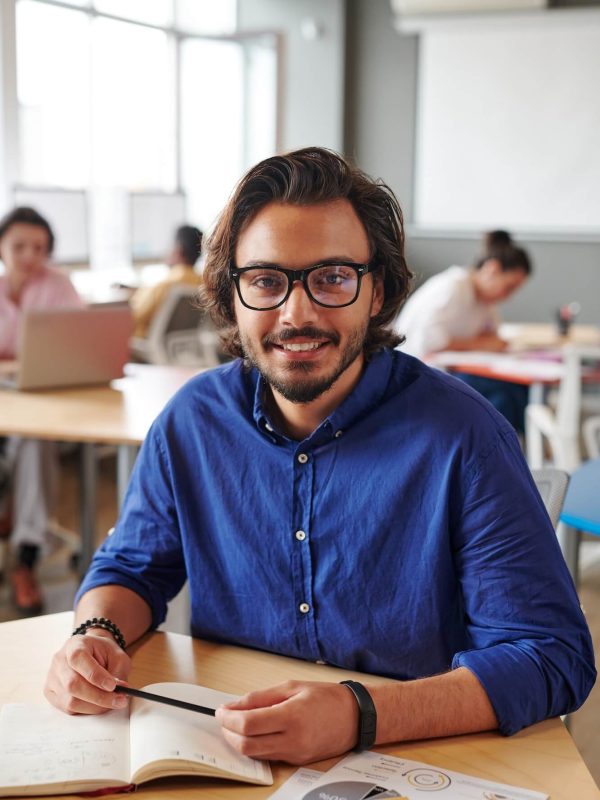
x: 508, y: 124
x: 155, y: 216
x: 67, y: 213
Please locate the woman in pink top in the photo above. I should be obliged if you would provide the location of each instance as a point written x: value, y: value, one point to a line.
x: 26, y: 243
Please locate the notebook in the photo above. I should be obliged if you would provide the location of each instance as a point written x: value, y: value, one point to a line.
x: 71, y: 347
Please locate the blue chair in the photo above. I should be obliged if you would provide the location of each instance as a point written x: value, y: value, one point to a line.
x: 581, y: 512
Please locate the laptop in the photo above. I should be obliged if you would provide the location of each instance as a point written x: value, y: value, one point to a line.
x: 71, y: 347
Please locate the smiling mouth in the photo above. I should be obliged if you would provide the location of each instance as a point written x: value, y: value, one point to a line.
x: 302, y: 347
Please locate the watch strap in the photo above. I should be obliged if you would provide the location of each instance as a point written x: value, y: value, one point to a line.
x: 367, y: 715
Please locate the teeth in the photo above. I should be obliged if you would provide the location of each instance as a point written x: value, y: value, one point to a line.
x: 298, y: 348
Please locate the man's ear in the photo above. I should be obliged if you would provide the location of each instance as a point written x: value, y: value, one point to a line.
x: 378, y: 296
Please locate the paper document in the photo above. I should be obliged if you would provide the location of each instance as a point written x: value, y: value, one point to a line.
x: 375, y: 776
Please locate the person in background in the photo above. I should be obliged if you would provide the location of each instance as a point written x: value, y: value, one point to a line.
x: 28, y: 282
x: 146, y: 301
x: 457, y: 310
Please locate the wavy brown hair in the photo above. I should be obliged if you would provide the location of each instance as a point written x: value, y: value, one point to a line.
x: 306, y: 177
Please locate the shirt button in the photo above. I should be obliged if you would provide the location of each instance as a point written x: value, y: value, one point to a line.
x: 300, y: 535
x: 337, y: 434
x: 304, y: 608
x: 303, y: 458
x: 268, y: 427
x: 110, y: 531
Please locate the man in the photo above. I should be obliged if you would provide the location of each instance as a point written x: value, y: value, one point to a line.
x: 332, y: 499
x: 146, y: 300
x: 457, y: 310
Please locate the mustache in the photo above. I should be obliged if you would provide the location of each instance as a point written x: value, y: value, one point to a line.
x: 308, y: 332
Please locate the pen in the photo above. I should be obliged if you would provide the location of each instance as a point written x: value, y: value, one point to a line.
x: 170, y: 701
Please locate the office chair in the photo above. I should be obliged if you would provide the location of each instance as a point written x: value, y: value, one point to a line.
x: 179, y: 333
x: 552, y: 485
x: 561, y: 427
x: 591, y: 436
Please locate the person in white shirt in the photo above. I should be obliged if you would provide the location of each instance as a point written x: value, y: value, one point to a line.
x: 457, y: 310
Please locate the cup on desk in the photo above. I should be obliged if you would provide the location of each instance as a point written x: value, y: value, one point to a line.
x: 565, y: 316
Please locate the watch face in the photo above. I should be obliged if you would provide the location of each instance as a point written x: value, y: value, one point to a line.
x: 352, y: 790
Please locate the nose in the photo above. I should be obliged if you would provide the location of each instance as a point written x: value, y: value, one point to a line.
x: 298, y: 309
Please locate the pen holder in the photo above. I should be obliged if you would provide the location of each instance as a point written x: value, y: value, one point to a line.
x: 565, y: 316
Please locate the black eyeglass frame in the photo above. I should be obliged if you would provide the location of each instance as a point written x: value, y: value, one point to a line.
x: 301, y: 275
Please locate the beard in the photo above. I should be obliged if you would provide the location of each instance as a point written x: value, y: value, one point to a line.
x: 295, y: 381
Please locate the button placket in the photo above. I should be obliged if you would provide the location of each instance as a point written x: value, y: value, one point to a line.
x: 301, y: 555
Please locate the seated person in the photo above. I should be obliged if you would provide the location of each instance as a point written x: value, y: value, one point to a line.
x: 457, y: 310
x: 333, y: 499
x: 28, y: 282
x: 146, y: 300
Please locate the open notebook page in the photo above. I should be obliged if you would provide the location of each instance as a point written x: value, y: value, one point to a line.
x: 41, y: 745
x: 162, y: 733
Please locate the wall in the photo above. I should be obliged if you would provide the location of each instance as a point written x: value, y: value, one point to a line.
x: 9, y: 153
x: 380, y: 132
x: 312, y: 73
x: 381, y: 72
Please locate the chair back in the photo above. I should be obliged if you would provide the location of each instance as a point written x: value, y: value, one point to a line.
x: 591, y: 436
x: 552, y: 485
x: 180, y: 333
x: 561, y: 427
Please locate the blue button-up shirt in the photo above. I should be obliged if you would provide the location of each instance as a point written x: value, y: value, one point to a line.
x: 403, y: 537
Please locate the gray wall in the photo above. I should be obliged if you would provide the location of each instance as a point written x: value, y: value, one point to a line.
x: 380, y: 132
x: 312, y: 69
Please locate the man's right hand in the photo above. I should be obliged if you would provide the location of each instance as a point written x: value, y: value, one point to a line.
x: 84, y: 673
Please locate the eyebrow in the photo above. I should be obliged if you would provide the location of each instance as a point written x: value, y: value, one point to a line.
x: 325, y: 261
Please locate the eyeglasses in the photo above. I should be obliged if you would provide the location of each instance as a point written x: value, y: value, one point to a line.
x: 333, y: 285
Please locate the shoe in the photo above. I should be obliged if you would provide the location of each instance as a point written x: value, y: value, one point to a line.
x: 27, y: 596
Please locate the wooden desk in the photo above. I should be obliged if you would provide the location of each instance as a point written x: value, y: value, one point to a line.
x: 537, y: 373
x: 532, y: 335
x: 119, y: 414
x: 542, y: 757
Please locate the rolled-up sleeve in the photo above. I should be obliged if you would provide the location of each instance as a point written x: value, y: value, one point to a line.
x: 532, y: 651
x: 144, y: 552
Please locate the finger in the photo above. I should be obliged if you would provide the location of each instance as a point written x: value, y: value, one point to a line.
x: 72, y: 705
x: 66, y: 698
x: 272, y: 746
x: 85, y: 663
x: 73, y: 686
x: 256, y: 722
x: 264, y: 697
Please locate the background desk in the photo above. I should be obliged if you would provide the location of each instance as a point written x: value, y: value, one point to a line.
x: 542, y: 757
x: 119, y: 414
x: 531, y: 335
x: 537, y: 373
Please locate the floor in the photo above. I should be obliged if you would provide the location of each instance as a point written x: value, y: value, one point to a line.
x: 60, y: 583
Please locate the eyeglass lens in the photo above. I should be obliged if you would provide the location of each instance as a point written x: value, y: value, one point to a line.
x: 331, y: 285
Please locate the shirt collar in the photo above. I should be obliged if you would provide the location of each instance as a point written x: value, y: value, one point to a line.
x: 366, y: 395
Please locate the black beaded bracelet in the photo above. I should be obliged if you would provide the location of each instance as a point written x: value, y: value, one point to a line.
x: 105, y: 624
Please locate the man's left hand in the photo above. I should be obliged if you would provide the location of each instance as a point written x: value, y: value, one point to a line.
x: 297, y: 722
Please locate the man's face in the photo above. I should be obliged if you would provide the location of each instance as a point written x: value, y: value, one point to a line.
x: 302, y: 348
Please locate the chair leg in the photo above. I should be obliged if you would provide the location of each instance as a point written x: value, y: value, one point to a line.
x: 568, y: 539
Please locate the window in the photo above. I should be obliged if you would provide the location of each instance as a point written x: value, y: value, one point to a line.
x: 118, y: 97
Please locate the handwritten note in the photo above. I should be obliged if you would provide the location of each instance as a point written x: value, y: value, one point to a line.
x: 46, y: 746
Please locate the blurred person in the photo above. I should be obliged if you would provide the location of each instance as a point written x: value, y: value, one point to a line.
x: 457, y: 310
x: 182, y: 259
x: 28, y: 282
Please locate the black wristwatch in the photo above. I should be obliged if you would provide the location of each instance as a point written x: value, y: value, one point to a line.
x: 367, y: 715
